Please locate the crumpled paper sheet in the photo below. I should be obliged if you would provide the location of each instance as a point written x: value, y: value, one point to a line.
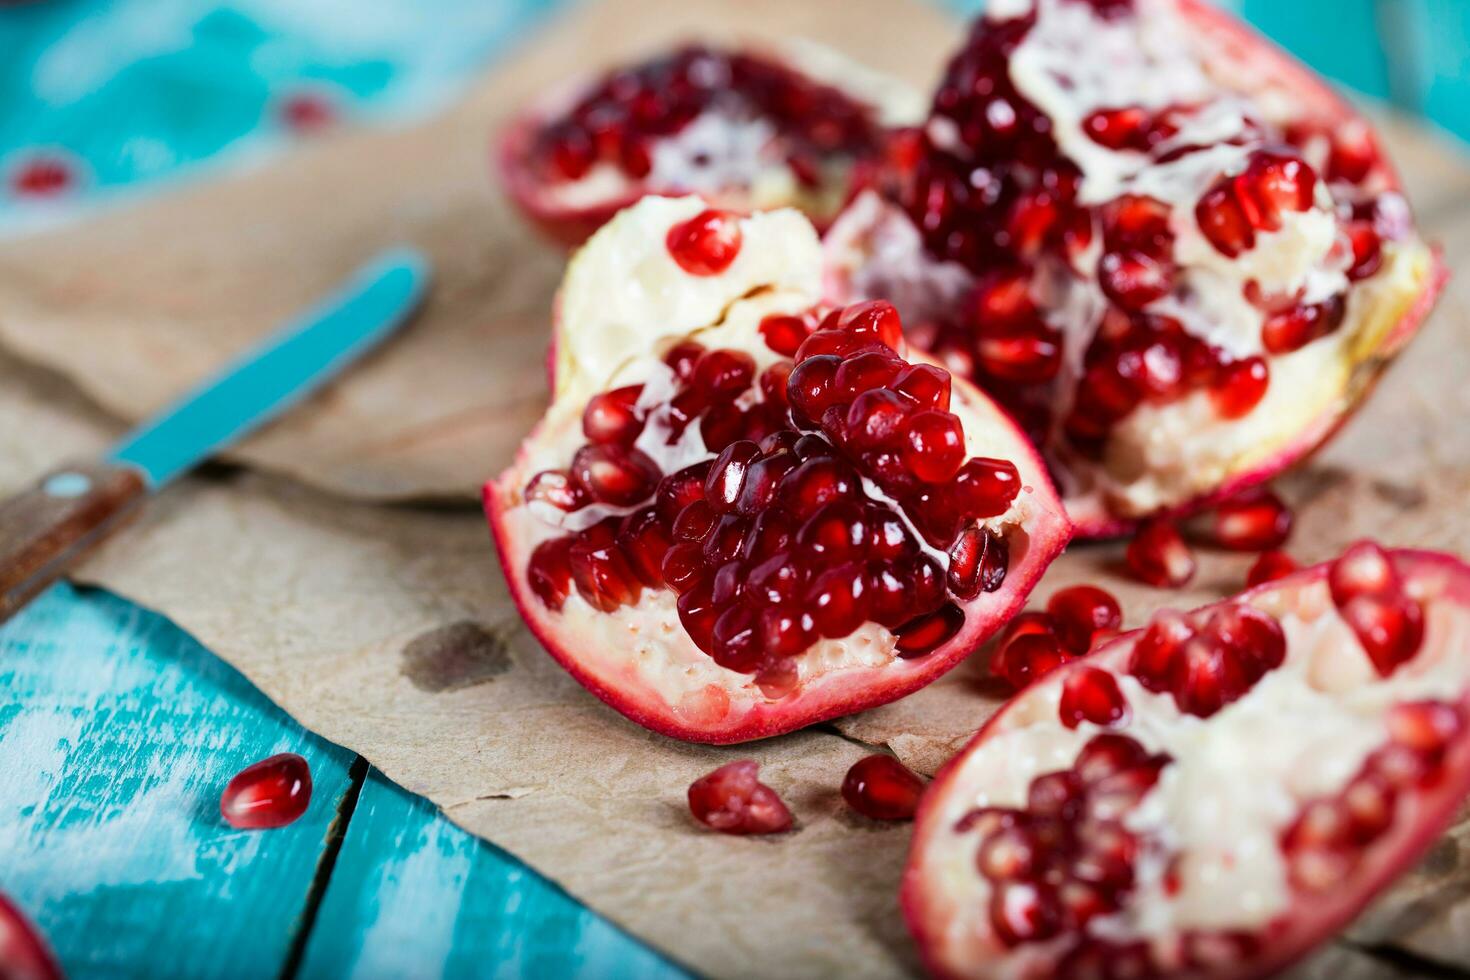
x: 137, y: 305
x: 389, y: 630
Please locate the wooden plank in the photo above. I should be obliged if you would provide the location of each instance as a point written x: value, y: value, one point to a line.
x: 411, y: 895
x: 117, y: 733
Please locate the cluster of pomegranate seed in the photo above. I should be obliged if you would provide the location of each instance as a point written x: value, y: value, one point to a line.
x: 271, y: 793
x: 882, y: 788
x: 1370, y: 597
x: 1207, y: 663
x: 733, y: 800
x: 1325, y: 841
x: 988, y: 188
x: 778, y: 541
x: 1256, y: 520
x: 1066, y: 857
x: 1036, y: 643
x: 623, y: 117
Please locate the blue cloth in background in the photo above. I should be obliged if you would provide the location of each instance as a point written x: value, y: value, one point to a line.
x: 98, y: 95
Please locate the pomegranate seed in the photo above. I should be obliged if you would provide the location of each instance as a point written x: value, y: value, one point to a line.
x: 24, y: 955
x: 926, y: 384
x: 1240, y: 387
x: 1083, y: 614
x: 978, y: 562
x: 615, y: 474
x: 875, y: 421
x: 865, y: 371
x: 784, y: 334
x: 1425, y: 727
x: 1089, y: 694
x: 682, y: 358
x: 1134, y: 279
x: 307, y: 112
x: 549, y: 572
x: 697, y: 611
x: 736, y: 644
x: 876, y: 319
x: 645, y: 539
x: 1293, y: 329
x: 882, y: 788
x: 1224, y: 222
x: 1274, y: 183
x: 810, y: 388
x: 706, y: 244
x: 1370, y: 598
x: 784, y: 632
x: 723, y: 373
x: 1255, y: 521
x: 600, y: 569
x: 1026, y: 356
x: 1270, y: 566
x: 1008, y: 854
x: 928, y: 633
x: 556, y: 488
x: 1158, y: 556
x: 1026, y: 658
x: 611, y: 416
x: 1106, y: 755
x: 42, y: 177
x: 1153, y: 657
x: 1127, y: 128
x: 733, y: 800
x: 268, y: 794
x: 935, y: 446
x: 726, y: 479
x: 815, y: 483
x: 1022, y: 912
x: 836, y: 600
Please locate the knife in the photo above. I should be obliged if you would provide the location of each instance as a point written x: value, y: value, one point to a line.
x: 68, y: 513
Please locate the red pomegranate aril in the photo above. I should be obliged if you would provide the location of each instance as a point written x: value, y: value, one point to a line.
x: 1240, y: 387
x: 926, y: 384
x: 1224, y: 222
x: 875, y: 420
x: 682, y: 358
x: 763, y: 481
x: 683, y: 566
x: 549, y: 572
x: 735, y: 644
x: 815, y: 483
x: 838, y: 532
x: 773, y: 384
x: 1272, y: 184
x: 726, y: 477
x: 784, y: 334
x: 1082, y: 615
x: 1023, y: 912
x: 1255, y: 521
x: 646, y: 540
x: 24, y: 955
x: 875, y: 319
x: 777, y: 580
x: 1027, y: 657
x: 726, y: 539
x: 707, y: 244
x: 1092, y: 695
x: 1293, y: 329
x: 612, y: 416
x: 271, y: 793
x: 615, y: 474
x: 1369, y: 596
x: 882, y: 788
x: 935, y: 446
x: 1127, y: 128
x: 723, y: 373
x: 733, y: 800
x: 1134, y: 279
x: 1270, y: 566
x: 1027, y: 355
x: 865, y: 371
x: 556, y: 488
x: 600, y: 570
x: 928, y: 633
x: 1158, y: 556
x: 784, y: 632
x: 837, y: 600
x: 810, y: 389
x: 978, y: 562
x: 1153, y: 658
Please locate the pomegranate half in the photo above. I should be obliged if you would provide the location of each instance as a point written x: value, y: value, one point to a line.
x: 1213, y: 795
x: 743, y: 512
x: 747, y: 128
x: 1171, y: 251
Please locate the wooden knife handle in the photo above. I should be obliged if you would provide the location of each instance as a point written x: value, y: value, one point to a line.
x: 48, y: 528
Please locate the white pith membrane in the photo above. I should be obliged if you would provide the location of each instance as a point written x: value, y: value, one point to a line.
x: 1161, y: 456
x: 727, y: 158
x: 1236, y: 781
x: 624, y: 303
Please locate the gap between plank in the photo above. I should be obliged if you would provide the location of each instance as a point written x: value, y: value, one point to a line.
x: 336, y: 834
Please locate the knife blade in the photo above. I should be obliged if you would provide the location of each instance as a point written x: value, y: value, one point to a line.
x: 65, y: 515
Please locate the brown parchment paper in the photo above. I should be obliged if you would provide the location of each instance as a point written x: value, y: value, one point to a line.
x: 388, y: 629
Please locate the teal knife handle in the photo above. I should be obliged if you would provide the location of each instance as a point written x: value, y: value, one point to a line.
x: 49, y: 528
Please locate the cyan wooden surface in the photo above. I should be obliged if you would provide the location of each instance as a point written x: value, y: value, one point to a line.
x: 117, y: 731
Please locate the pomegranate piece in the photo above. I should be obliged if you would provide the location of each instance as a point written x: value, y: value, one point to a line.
x: 1014, y: 226
x: 734, y: 125
x: 733, y: 800
x: 775, y: 523
x: 882, y: 788
x: 1158, y: 556
x: 1126, y: 831
x: 271, y: 793
x: 1257, y: 520
x: 24, y: 955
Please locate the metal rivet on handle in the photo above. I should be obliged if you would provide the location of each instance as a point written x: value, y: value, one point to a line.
x: 67, y: 486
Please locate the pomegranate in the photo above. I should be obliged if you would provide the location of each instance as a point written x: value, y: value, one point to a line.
x: 24, y: 955
x: 795, y: 125
x: 1212, y: 795
x: 1168, y: 249
x: 745, y: 512
x: 733, y: 800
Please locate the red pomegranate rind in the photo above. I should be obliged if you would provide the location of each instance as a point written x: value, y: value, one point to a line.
x: 1143, y: 439
x: 24, y: 955
x: 682, y: 613
x: 1315, y: 784
x: 654, y: 105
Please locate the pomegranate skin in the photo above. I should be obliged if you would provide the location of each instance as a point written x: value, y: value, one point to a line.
x: 1423, y: 813
x: 1220, y: 31
x: 24, y: 955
